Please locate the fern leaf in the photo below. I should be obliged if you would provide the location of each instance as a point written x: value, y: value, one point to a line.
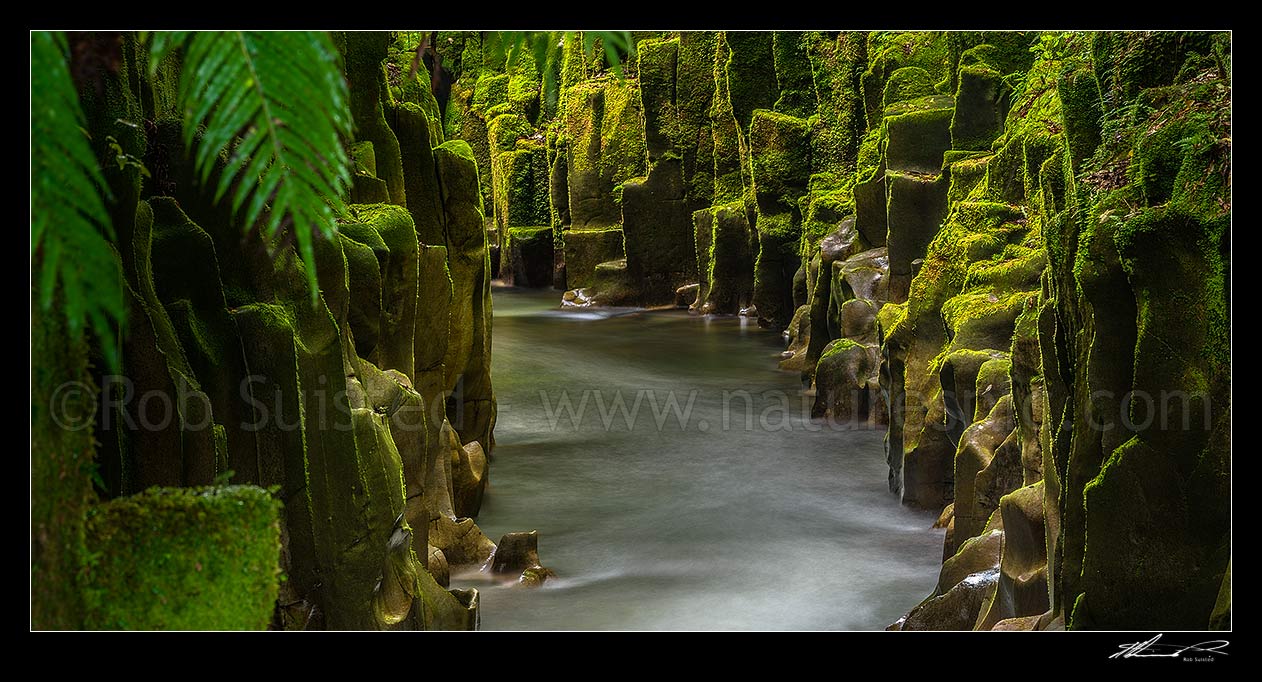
x: 283, y: 96
x: 70, y: 229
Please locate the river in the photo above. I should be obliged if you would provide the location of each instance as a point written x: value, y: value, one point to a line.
x: 675, y: 519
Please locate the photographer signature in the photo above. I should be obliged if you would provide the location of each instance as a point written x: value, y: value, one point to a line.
x: 1153, y: 649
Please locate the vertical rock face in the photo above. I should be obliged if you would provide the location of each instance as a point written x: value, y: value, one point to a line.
x: 371, y: 411
x: 983, y: 239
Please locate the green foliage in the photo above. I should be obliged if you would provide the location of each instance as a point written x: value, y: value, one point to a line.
x: 547, y: 48
x: 283, y: 94
x: 69, y: 224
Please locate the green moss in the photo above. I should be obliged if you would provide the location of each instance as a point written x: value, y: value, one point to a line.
x: 184, y: 559
x: 966, y: 175
x: 1016, y: 267
x: 1005, y: 173
x: 61, y: 467
x: 890, y: 315
x: 657, y: 64
x: 839, y: 347
x: 794, y: 77
x: 1037, y: 148
x: 825, y: 209
x: 1081, y: 112
x: 364, y: 53
x: 890, y: 51
x: 520, y: 179
x: 729, y: 139
x: 780, y: 148
x: 981, y: 99
x: 870, y: 161
x: 506, y: 129
x: 412, y: 87
x: 490, y: 91
x: 750, y: 67
x: 694, y: 96
x: 605, y: 145
x: 909, y: 82
x: 525, y: 87
x: 837, y: 65
x: 1126, y: 63
x: 974, y: 231
x: 363, y: 159
x: 917, y: 133
x: 983, y: 318
x: 1052, y: 181
x: 725, y: 257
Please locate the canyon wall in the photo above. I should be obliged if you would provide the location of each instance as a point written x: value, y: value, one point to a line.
x: 334, y: 446
x: 1009, y: 249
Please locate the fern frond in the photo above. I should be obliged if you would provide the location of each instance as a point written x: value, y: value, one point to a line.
x: 282, y: 98
x: 69, y: 224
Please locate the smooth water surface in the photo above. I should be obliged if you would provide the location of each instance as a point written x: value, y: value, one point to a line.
x: 770, y: 522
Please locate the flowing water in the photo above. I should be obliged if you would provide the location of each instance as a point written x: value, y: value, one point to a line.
x: 764, y: 521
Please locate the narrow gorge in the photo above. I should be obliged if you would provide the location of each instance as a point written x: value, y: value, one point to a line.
x: 699, y: 330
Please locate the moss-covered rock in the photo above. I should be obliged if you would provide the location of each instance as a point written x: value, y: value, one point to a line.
x: 750, y: 68
x: 725, y: 259
x: 606, y: 148
x: 837, y: 66
x: 917, y: 133
x: 184, y: 559
x: 657, y: 231
x: 890, y: 51
x: 794, y: 75
x: 980, y: 110
x: 520, y: 180
x: 585, y: 249
x: 847, y: 390
x: 780, y: 152
x: 910, y: 82
x: 527, y: 256
x: 916, y: 208
x: 364, y: 53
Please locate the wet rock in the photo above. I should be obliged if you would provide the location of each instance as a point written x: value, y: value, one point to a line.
x: 1022, y: 588
x: 864, y: 274
x: 858, y: 320
x: 840, y: 244
x: 779, y: 148
x: 1002, y: 476
x: 980, y: 553
x: 958, y: 378
x: 917, y: 206
x: 468, y: 473
x: 613, y: 286
x: 799, y: 333
x: 958, y: 609
x: 686, y: 296
x: 576, y: 298
x: 976, y: 450
x: 438, y: 566
x: 1022, y: 623
x: 461, y: 541
x: 518, y: 554
x: 847, y: 386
